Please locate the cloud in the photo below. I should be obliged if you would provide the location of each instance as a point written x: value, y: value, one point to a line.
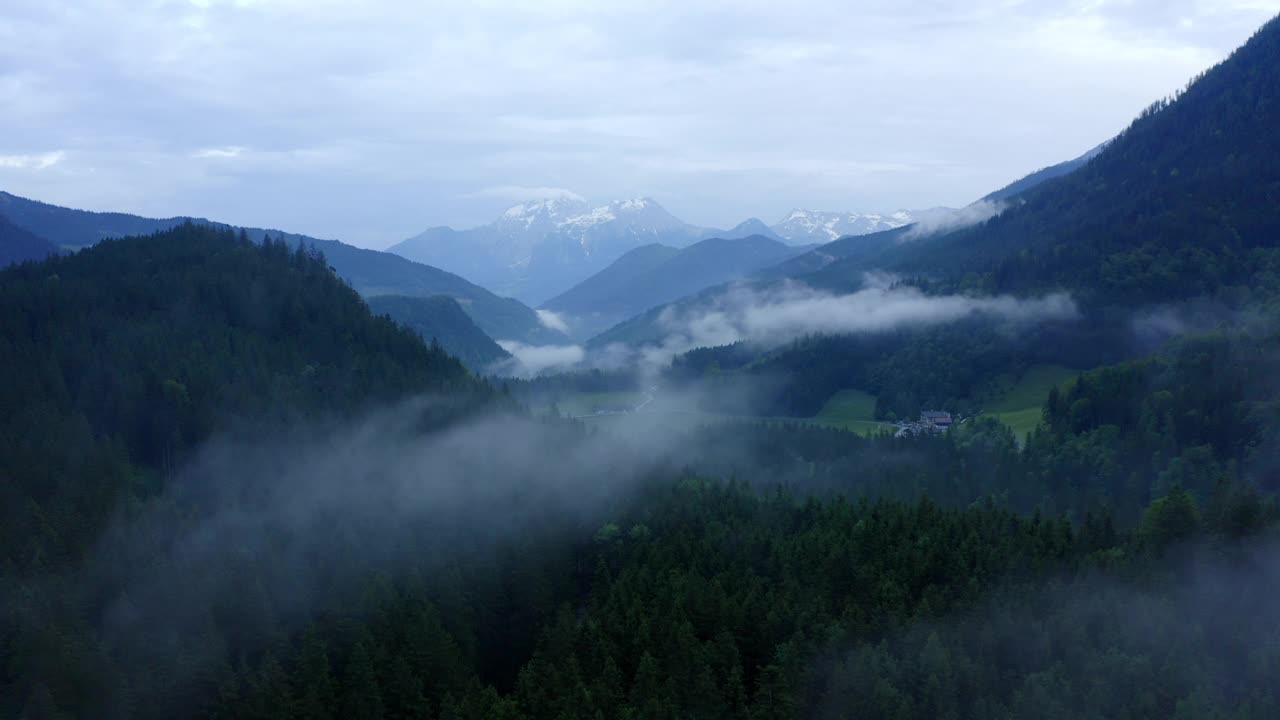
x: 429, y: 102
x: 778, y: 314
x: 41, y: 161
x: 537, y: 359
x: 518, y: 193
x: 269, y: 502
x: 230, y: 151
x: 935, y: 223
x: 553, y: 321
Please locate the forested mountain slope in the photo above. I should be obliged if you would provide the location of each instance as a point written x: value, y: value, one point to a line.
x: 1042, y: 175
x: 441, y: 319
x: 370, y: 272
x: 1181, y: 204
x: 648, y: 277
x: 320, y: 573
x: 123, y: 357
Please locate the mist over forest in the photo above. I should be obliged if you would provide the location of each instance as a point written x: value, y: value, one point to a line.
x: 1013, y: 458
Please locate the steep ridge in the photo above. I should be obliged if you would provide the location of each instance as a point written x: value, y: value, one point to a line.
x: 1182, y: 204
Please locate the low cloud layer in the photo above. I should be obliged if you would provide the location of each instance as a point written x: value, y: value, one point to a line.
x: 778, y: 314
x: 933, y: 224
x: 553, y: 321
x: 537, y: 359
x: 309, y: 511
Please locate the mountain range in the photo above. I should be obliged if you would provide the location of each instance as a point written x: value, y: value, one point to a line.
x: 539, y: 249
x: 370, y: 272
x: 1179, y: 206
x: 816, y: 226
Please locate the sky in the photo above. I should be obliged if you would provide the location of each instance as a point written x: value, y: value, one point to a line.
x: 371, y: 121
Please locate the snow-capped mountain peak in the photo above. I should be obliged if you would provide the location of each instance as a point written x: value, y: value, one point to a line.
x: 540, y: 248
x: 551, y: 210
x: 819, y: 226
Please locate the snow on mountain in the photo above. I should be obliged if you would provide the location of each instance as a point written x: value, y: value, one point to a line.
x: 540, y: 248
x: 819, y: 226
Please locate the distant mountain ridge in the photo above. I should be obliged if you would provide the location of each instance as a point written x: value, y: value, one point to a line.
x: 541, y: 248
x: 370, y: 272
x: 657, y: 274
x: 817, y: 226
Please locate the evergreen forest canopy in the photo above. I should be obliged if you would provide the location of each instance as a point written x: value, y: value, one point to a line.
x: 231, y: 489
x: 835, y: 575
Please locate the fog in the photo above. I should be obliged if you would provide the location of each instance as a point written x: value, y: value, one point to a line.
x: 295, y: 519
x: 552, y: 321
x: 776, y: 314
x: 1096, y: 637
x: 780, y: 313
x: 527, y: 360
x: 978, y: 212
x: 278, y: 525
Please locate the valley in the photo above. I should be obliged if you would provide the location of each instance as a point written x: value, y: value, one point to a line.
x: 1013, y: 454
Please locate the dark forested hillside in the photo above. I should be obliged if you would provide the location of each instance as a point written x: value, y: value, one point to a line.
x: 408, y: 563
x: 368, y: 271
x: 440, y: 319
x: 373, y: 273
x: 122, y: 358
x: 711, y: 601
x: 1182, y: 204
x: 956, y: 366
x: 1043, y: 175
x: 19, y: 245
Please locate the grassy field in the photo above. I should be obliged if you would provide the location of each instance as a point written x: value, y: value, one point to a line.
x: 851, y: 410
x: 1032, y: 388
x: 1020, y: 406
x: 1021, y: 422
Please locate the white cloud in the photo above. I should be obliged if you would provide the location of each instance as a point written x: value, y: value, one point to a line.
x: 537, y: 359
x: 519, y: 193
x: 553, y: 321
x: 781, y: 313
x: 231, y: 151
x: 40, y: 161
x: 972, y: 214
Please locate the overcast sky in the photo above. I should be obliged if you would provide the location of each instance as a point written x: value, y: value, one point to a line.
x: 369, y: 122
